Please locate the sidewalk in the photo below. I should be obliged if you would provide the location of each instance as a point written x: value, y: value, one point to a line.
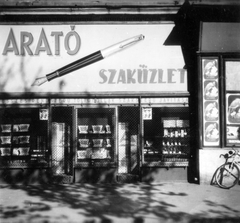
x: 127, y: 203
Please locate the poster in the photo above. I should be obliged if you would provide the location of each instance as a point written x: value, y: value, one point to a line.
x: 210, y: 95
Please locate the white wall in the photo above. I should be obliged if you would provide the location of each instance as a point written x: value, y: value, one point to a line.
x: 209, y: 161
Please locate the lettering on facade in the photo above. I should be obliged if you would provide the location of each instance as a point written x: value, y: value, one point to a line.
x: 142, y: 75
x: 27, y: 39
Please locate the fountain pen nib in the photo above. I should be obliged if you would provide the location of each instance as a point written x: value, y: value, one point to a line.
x: 39, y: 81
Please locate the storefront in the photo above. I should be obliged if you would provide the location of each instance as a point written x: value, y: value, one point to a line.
x: 117, y: 93
x: 120, y: 118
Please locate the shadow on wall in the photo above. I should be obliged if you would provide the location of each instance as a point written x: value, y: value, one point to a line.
x: 8, y: 74
x: 5, y: 75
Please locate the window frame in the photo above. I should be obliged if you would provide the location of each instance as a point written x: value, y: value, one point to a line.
x: 230, y: 97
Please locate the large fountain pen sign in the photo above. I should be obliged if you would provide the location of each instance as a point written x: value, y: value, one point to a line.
x: 136, y: 59
x: 89, y: 59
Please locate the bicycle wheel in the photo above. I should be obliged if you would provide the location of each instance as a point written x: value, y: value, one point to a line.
x: 227, y: 175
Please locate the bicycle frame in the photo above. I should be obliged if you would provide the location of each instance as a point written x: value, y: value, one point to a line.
x: 228, y: 174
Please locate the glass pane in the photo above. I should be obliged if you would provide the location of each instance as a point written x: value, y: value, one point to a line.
x: 166, y: 135
x: 95, y: 134
x: 61, y: 143
x: 23, y: 137
x: 232, y: 75
x: 128, y: 127
x: 233, y: 119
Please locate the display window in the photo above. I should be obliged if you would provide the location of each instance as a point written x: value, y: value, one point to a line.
x: 24, y: 136
x: 232, y: 100
x: 95, y: 136
x: 166, y: 135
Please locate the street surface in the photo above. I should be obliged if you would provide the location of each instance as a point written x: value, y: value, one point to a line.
x: 117, y: 203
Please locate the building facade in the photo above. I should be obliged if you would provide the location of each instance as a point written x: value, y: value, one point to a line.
x: 116, y: 92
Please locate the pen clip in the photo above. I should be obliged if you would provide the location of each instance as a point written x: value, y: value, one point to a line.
x: 136, y: 39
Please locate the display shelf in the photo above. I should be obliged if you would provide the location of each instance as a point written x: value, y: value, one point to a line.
x: 90, y: 163
x: 95, y: 134
x: 94, y: 153
x: 15, y: 142
x: 167, y: 141
x: 26, y: 144
x: 23, y: 165
x: 167, y: 164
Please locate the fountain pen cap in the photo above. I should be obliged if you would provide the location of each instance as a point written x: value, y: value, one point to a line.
x: 121, y: 45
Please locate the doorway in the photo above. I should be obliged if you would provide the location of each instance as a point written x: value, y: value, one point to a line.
x: 61, y: 141
x: 128, y: 143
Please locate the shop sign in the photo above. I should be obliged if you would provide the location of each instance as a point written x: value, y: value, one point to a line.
x: 165, y: 100
x: 148, y: 101
x: 43, y: 114
x: 32, y: 101
x: 147, y: 114
x: 27, y: 39
x: 94, y: 101
x: 32, y: 51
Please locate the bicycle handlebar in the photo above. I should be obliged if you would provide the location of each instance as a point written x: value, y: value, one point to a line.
x: 231, y: 153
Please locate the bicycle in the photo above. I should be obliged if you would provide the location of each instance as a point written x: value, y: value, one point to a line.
x: 227, y: 175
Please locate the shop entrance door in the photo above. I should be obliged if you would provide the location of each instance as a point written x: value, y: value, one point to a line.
x: 61, y: 143
x: 128, y: 143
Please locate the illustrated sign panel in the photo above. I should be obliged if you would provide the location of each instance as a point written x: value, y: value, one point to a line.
x: 30, y: 52
x: 232, y: 71
x: 233, y: 119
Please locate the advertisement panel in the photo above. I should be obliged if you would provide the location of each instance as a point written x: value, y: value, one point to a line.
x: 29, y: 52
x: 210, y: 91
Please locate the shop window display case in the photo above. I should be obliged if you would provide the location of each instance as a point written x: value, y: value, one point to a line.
x: 166, y: 136
x: 23, y: 137
x: 95, y: 136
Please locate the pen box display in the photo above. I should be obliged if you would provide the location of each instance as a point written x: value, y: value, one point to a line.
x: 6, y: 128
x: 5, y: 139
x: 23, y: 139
x: 97, y: 142
x: 5, y: 151
x: 100, y: 154
x: 97, y: 128
x: 84, y: 143
x: 84, y: 154
x: 21, y: 151
x: 83, y: 128
x: 21, y: 128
